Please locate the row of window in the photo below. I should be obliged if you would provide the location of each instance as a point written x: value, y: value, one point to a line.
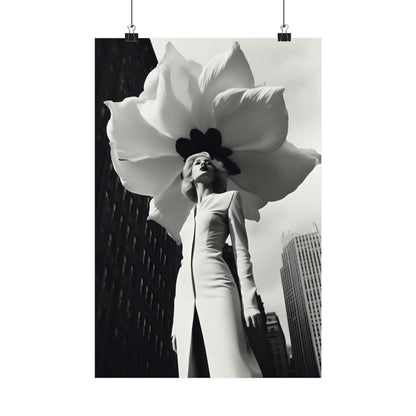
x: 145, y: 292
x: 308, y: 241
x: 149, y: 298
x: 311, y: 259
x: 146, y: 258
x: 312, y: 297
x: 150, y: 334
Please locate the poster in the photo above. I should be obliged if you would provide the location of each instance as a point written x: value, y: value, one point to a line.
x: 138, y: 259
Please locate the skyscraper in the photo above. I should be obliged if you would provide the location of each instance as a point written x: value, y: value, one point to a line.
x: 277, y: 341
x: 136, y: 261
x: 301, y: 280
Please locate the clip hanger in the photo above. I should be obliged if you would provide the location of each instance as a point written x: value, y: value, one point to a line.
x: 131, y: 36
x: 284, y: 36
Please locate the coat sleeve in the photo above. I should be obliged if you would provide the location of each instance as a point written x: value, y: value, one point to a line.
x: 241, y: 254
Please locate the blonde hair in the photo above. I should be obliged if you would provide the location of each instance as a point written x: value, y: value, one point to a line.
x: 219, y: 184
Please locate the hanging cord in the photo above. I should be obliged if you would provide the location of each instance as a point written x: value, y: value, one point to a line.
x: 131, y: 36
x: 284, y: 24
x: 284, y: 36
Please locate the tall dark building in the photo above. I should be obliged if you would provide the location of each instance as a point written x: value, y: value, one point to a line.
x: 301, y: 280
x: 277, y: 342
x: 257, y: 337
x: 136, y: 261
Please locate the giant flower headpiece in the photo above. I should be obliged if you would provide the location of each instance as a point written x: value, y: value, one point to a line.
x: 186, y: 108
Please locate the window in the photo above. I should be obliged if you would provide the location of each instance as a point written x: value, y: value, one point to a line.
x: 161, y: 348
x: 144, y: 326
x: 149, y: 332
x: 128, y: 308
x: 104, y: 281
x: 120, y: 298
x: 123, y: 269
x: 121, y: 222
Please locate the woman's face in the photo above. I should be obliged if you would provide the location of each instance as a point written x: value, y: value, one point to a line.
x: 203, y: 170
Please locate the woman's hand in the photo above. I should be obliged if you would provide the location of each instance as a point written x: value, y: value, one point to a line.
x: 252, y: 317
x: 173, y: 339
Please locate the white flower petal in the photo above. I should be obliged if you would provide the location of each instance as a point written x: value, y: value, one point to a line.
x: 170, y: 209
x: 146, y: 176
x: 224, y: 71
x: 251, y: 119
x: 150, y: 85
x: 275, y: 175
x: 182, y: 74
x: 132, y: 136
x: 168, y: 108
x: 251, y: 202
x: 166, y: 113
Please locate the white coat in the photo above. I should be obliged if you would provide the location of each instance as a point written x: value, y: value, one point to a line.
x: 205, y: 284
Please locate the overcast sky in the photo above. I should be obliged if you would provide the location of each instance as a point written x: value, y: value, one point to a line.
x: 297, y: 67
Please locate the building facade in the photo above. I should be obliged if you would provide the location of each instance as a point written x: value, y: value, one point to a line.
x: 277, y: 341
x: 301, y: 280
x: 136, y: 261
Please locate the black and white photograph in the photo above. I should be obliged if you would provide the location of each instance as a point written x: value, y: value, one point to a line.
x: 208, y: 245
x: 207, y: 208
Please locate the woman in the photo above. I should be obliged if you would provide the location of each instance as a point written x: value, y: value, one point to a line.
x: 208, y: 333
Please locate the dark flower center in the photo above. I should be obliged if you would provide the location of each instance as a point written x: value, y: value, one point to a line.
x: 209, y: 142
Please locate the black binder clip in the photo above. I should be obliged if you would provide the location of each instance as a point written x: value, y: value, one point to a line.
x: 131, y: 36
x: 284, y: 36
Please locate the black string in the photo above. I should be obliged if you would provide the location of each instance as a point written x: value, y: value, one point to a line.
x: 131, y: 36
x: 284, y: 24
x: 284, y: 36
